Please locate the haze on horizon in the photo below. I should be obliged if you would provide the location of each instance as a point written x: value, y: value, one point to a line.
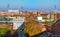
x: 30, y: 4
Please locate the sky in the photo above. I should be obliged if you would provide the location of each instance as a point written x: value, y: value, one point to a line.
x: 30, y: 4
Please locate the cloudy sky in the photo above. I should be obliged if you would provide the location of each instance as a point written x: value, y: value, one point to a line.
x: 30, y: 4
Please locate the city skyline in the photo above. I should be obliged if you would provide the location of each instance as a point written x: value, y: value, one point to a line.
x: 30, y: 4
